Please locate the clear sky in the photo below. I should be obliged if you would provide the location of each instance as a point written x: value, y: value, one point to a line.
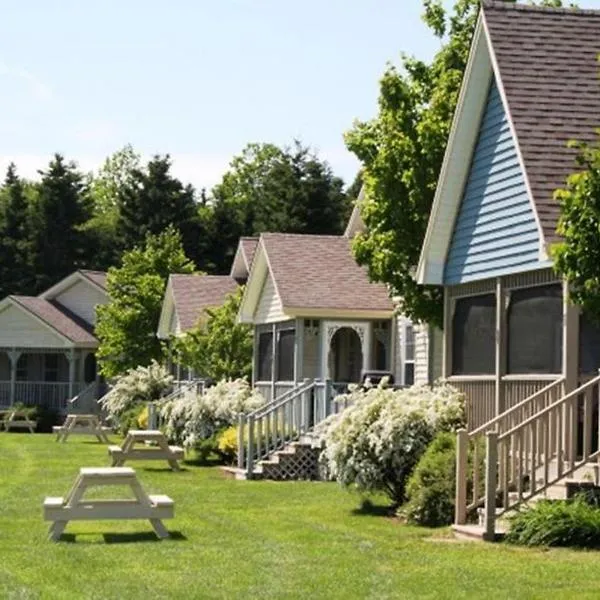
x: 197, y: 79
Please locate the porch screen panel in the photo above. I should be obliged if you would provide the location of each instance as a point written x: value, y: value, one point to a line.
x: 285, y: 355
x: 474, y: 336
x: 535, y: 330
x: 265, y: 356
x: 589, y: 346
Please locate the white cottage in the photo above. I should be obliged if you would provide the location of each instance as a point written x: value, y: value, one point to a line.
x: 47, y: 342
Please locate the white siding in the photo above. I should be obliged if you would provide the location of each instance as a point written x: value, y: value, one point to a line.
x: 82, y: 299
x: 421, y: 354
x: 17, y: 328
x: 423, y: 370
x: 269, y: 309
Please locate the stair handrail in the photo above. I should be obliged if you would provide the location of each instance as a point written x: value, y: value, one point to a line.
x: 276, y: 400
x: 86, y: 390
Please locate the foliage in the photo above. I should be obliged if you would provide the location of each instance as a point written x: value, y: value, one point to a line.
x: 431, y: 488
x: 218, y: 347
x: 578, y: 255
x: 126, y: 326
x: 131, y: 391
x: 375, y: 443
x: 557, y: 523
x: 227, y: 444
x: 200, y: 416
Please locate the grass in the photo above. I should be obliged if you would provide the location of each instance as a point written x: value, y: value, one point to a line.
x: 249, y: 540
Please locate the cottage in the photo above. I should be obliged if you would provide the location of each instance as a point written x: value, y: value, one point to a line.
x: 47, y: 342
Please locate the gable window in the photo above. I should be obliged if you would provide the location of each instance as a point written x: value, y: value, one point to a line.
x: 474, y: 336
x: 51, y: 367
x: 265, y: 356
x: 535, y: 330
x: 285, y: 354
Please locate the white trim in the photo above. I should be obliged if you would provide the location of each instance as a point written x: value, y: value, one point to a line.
x: 543, y: 255
x: 168, y: 307
x: 355, y: 222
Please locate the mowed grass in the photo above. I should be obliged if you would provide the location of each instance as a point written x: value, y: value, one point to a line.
x: 248, y: 540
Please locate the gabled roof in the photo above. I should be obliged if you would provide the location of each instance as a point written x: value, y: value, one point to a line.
x: 95, y: 278
x: 188, y: 296
x: 312, y: 275
x: 57, y: 318
x: 244, y: 255
x: 355, y: 222
x: 545, y: 64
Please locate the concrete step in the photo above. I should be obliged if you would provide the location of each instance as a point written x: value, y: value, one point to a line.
x: 240, y: 474
x: 476, y: 533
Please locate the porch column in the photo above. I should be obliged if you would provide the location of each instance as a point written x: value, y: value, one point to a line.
x: 391, y: 358
x: 255, y: 338
x: 299, y: 351
x: 13, y: 356
x: 447, y: 347
x: 500, y: 363
x: 71, y: 357
x: 273, y: 361
x: 324, y: 341
x: 367, y: 346
x: 570, y: 342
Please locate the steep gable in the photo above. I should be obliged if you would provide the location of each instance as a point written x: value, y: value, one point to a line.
x: 495, y: 231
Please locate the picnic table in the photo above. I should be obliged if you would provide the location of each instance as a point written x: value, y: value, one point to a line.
x: 80, y: 424
x: 155, y: 447
x: 18, y: 419
x: 74, y: 507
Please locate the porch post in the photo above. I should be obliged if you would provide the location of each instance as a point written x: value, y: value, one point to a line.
x: 13, y: 356
x: 299, y: 350
x: 500, y: 363
x: 570, y: 342
x: 274, y: 361
x: 393, y: 340
x: 71, y: 357
x: 447, y: 348
x: 367, y: 346
x: 255, y: 354
x: 323, y: 350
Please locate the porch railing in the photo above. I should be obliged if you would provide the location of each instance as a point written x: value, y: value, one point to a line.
x: 84, y: 401
x: 473, y: 443
x: 52, y: 394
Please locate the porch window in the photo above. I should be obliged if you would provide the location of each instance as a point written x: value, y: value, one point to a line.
x: 589, y: 346
x: 22, y: 364
x: 51, y: 367
x: 381, y: 343
x: 474, y: 336
x: 285, y: 355
x: 265, y: 356
x: 535, y: 330
x: 409, y: 354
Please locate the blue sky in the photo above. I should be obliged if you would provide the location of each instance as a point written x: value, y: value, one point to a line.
x: 195, y: 78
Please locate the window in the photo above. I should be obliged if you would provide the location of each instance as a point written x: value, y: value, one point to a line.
x: 265, y: 356
x: 50, y: 367
x: 285, y: 355
x: 535, y: 330
x: 474, y: 336
x: 408, y: 373
x: 22, y: 367
x: 589, y: 346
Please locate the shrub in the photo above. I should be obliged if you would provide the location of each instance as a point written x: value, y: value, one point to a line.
x: 134, y: 389
x: 557, y: 523
x: 46, y: 418
x: 227, y: 444
x: 375, y: 443
x: 431, y: 487
x: 195, y: 418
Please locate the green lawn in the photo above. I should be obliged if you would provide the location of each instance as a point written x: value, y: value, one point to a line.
x: 248, y: 540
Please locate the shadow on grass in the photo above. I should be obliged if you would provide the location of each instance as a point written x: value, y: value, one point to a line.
x: 123, y: 538
x: 160, y: 469
x: 203, y: 462
x: 367, y: 508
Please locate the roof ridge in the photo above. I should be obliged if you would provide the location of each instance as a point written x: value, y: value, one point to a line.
x: 517, y: 7
x: 305, y: 235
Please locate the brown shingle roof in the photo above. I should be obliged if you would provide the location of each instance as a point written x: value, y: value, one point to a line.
x: 193, y: 294
x: 249, y: 248
x: 98, y: 277
x: 319, y: 272
x: 57, y: 317
x: 548, y: 62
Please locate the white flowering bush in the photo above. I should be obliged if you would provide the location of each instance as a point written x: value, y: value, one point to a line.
x: 131, y: 391
x: 196, y: 417
x: 375, y: 443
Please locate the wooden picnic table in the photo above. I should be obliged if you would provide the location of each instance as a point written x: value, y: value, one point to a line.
x: 80, y: 424
x: 160, y: 450
x: 74, y: 507
x: 18, y: 419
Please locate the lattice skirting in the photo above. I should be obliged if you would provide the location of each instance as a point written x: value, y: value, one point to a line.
x: 294, y: 463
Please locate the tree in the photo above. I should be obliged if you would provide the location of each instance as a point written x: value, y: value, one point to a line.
x: 152, y: 199
x: 126, y: 326
x: 62, y: 206
x: 402, y: 150
x: 268, y: 188
x: 577, y: 257
x: 218, y: 347
x: 16, y: 273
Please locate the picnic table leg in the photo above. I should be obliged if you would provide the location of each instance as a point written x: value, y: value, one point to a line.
x: 159, y: 528
x: 56, y: 530
x: 174, y: 464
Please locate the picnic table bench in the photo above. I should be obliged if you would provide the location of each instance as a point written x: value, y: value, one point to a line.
x: 74, y: 507
x: 160, y: 451
x: 80, y: 424
x: 18, y: 419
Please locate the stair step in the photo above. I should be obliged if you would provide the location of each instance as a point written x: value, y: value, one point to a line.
x: 476, y: 533
x: 240, y: 474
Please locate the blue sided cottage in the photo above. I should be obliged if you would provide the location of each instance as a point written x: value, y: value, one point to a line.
x: 526, y: 359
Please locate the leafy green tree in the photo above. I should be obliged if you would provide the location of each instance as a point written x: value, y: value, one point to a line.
x: 218, y: 347
x: 126, y: 326
x: 269, y: 188
x: 401, y: 151
x: 61, y: 207
x: 16, y: 273
x: 577, y: 257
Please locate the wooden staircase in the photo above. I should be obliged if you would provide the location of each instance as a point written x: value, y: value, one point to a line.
x: 540, y: 448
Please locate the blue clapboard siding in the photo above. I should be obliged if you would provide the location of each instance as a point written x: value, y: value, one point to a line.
x: 495, y: 232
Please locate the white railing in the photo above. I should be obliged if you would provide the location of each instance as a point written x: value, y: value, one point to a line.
x: 52, y: 394
x: 84, y: 401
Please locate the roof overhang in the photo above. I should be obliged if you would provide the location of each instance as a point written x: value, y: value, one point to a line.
x: 239, y: 267
x: 253, y: 288
x: 164, y: 330
x: 336, y: 313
